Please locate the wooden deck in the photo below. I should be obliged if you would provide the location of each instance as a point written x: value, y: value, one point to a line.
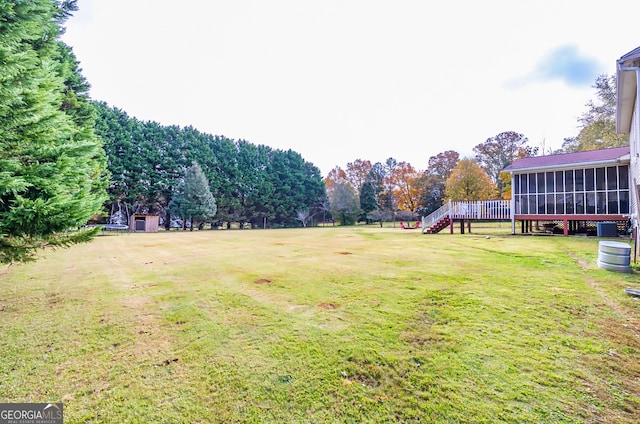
x: 482, y: 210
x: 500, y: 210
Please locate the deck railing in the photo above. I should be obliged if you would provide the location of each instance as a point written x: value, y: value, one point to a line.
x: 481, y: 209
x: 431, y: 219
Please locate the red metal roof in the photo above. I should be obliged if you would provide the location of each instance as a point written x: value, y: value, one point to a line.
x: 570, y: 159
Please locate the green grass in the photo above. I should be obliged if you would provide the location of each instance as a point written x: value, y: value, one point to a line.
x: 360, y: 324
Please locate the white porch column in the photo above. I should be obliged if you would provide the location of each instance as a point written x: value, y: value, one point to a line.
x: 512, y: 209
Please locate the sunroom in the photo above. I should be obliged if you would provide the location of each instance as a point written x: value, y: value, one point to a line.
x: 571, y: 193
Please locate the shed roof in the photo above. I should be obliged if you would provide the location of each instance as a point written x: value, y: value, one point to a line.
x: 569, y: 160
x: 627, y: 90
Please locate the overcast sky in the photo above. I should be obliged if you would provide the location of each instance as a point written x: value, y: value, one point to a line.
x: 354, y: 79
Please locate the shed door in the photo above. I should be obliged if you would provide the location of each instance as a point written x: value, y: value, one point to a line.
x: 140, y: 224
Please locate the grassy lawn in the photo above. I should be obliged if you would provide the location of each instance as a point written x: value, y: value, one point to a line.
x: 361, y: 324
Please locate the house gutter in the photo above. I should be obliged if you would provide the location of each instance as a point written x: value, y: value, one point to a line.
x: 634, y: 214
x: 628, y: 68
x: 576, y: 165
x: 622, y: 68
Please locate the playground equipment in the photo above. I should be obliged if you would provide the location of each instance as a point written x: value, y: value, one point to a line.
x: 118, y: 218
x: 408, y: 227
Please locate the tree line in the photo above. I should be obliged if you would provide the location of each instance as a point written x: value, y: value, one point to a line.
x: 384, y: 191
x: 250, y: 184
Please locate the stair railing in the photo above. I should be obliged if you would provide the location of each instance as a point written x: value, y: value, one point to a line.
x: 433, y: 218
x: 483, y: 209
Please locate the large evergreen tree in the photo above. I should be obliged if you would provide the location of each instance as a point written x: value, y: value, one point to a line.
x: 368, y: 200
x: 52, y: 165
x: 297, y: 184
x: 254, y: 188
x: 377, y: 176
x: 193, y: 200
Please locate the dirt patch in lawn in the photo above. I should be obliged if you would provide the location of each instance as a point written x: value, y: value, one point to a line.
x: 327, y: 306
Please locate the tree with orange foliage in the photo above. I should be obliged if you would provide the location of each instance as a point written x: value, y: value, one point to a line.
x: 468, y: 181
x: 357, y: 172
x: 334, y: 178
x: 405, y: 180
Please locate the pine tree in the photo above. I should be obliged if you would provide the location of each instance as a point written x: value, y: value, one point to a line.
x: 52, y: 165
x: 193, y: 201
x: 368, y: 200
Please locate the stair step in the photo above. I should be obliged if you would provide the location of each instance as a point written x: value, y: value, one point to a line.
x: 438, y: 226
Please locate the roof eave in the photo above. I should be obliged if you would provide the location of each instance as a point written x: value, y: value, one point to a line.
x: 626, y: 92
x: 625, y: 160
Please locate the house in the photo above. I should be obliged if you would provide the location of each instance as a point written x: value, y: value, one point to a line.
x: 628, y: 120
x: 571, y: 193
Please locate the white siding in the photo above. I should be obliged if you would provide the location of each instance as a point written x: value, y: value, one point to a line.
x: 634, y: 168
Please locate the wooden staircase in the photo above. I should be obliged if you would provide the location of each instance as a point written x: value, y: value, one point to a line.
x: 438, y: 226
x: 473, y: 210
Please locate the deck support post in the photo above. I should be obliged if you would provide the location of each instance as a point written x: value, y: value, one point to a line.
x: 451, y: 221
x: 566, y: 227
